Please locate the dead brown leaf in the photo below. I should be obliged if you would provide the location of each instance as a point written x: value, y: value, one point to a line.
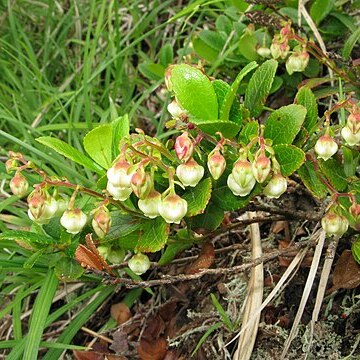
x: 346, y: 273
x: 120, y: 312
x: 204, y: 261
x: 155, y: 349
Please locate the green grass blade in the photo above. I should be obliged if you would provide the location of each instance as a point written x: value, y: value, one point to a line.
x: 39, y: 315
x: 78, y: 322
x: 211, y: 329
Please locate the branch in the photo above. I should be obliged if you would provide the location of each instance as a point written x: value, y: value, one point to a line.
x: 171, y: 279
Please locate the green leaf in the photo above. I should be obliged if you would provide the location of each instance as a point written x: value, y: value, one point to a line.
x: 289, y: 157
x: 198, y: 197
x: 311, y: 180
x: 210, y: 219
x: 154, y: 235
x: 174, y: 248
x: 69, y: 152
x: 224, y: 24
x: 29, y: 263
x: 306, y: 98
x: 259, y: 87
x: 152, y: 71
x: 68, y: 269
x: 248, y: 131
x: 320, y: 9
x: 194, y: 91
x: 226, y: 200
x: 350, y: 43
x: 27, y: 236
x: 231, y: 94
x: 228, y: 128
x: 203, y: 50
x: 221, y: 89
x: 247, y: 46
x: 283, y: 124
x: 355, y: 249
x: 166, y: 55
x: 122, y: 225
x: 98, y: 145
x: 39, y: 315
x: 120, y: 129
x: 351, y: 160
x: 334, y: 172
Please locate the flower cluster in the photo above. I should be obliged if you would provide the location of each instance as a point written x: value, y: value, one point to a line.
x: 351, y: 131
x: 298, y: 59
x: 246, y: 174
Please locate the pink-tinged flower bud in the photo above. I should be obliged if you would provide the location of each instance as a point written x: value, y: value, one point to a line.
x: 216, y: 164
x: 36, y: 202
x: 242, y: 174
x: 118, y: 193
x: 150, y: 205
x: 355, y: 213
x: 264, y: 52
x: 175, y: 110
x: 11, y: 165
x: 326, y: 147
x: 238, y: 189
x: 276, y: 187
x: 334, y: 224
x: 173, y: 208
x: 261, y: 168
x: 119, y: 174
x: 73, y: 221
x: 297, y: 62
x: 354, y: 210
x: 48, y: 211
x: 141, y: 183
x: 19, y: 185
x: 42, y: 206
x: 190, y: 173
x: 139, y: 264
x: 101, y: 221
x: 350, y: 138
x: 353, y: 122
x: 184, y: 147
x: 279, y: 47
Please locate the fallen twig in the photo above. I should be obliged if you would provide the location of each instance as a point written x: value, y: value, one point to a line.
x: 171, y: 279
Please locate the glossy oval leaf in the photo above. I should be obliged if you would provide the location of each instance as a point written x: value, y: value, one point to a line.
x: 311, y: 180
x: 68, y: 269
x: 259, y: 87
x: 283, y: 124
x: 154, y: 235
x: 69, y: 152
x: 194, y: 91
x: 198, y: 197
x: 226, y: 200
x: 98, y: 145
x: 306, y: 98
x: 229, y: 129
x: 289, y: 157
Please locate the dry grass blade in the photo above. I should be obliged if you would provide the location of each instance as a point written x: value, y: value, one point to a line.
x: 254, y: 298
x: 294, y: 265
x: 306, y: 293
x: 325, y: 273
